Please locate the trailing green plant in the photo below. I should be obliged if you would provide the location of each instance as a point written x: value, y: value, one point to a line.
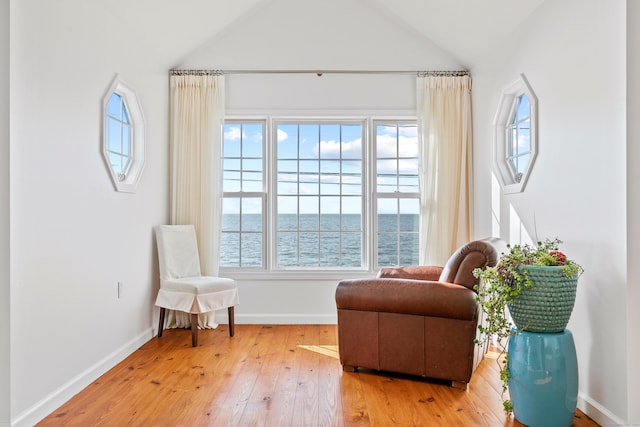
x: 501, y: 284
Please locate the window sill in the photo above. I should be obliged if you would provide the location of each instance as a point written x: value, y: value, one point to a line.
x: 295, y: 275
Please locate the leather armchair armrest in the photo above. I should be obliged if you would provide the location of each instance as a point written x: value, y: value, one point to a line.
x: 416, y: 272
x: 416, y: 297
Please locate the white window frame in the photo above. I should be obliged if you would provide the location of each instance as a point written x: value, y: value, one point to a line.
x: 369, y: 201
x: 509, y: 181
x: 376, y: 196
x: 262, y: 195
x: 126, y: 182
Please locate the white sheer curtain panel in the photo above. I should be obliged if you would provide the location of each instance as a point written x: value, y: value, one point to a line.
x: 197, y: 119
x: 445, y: 138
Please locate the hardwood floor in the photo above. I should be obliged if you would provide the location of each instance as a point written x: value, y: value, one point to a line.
x: 274, y: 375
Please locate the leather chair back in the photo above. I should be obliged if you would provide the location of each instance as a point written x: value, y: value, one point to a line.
x: 477, y: 254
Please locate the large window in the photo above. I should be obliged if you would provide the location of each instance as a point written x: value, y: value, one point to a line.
x: 316, y: 194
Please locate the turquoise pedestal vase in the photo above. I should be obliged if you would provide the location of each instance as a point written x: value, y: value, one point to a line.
x: 543, y: 382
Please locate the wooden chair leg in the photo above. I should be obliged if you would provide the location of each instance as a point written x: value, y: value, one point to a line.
x: 161, y: 323
x: 231, y: 311
x: 194, y: 330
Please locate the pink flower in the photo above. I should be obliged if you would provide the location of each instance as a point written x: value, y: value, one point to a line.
x: 559, y: 256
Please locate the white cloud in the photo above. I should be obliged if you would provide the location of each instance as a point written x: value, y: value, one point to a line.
x: 408, y: 146
x: 282, y: 135
x: 233, y: 134
x: 331, y: 149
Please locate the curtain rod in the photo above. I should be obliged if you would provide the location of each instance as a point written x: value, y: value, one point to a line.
x: 319, y: 73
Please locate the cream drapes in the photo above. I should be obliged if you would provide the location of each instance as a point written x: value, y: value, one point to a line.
x: 197, y: 118
x: 445, y: 138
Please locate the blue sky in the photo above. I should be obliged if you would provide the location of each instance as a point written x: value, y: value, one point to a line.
x: 311, y: 160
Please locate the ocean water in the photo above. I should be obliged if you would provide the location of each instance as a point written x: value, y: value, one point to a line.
x: 324, y: 241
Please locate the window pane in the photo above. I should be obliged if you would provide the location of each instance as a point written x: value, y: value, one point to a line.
x: 524, y: 107
x: 241, y: 239
x: 116, y: 163
x: 309, y: 222
x: 309, y: 250
x: 330, y: 141
x: 287, y: 249
x: 231, y: 145
x: 409, y: 249
x: 387, y: 250
x: 287, y: 187
x: 329, y: 188
x: 397, y: 167
x: 287, y: 142
x: 251, y: 250
x: 352, y: 141
x: 230, y: 250
x: 252, y: 140
x: 323, y: 187
x: 114, y: 106
x: 114, y: 132
x: 287, y: 205
x: 329, y: 249
x: 409, y: 215
x: 231, y: 175
x: 287, y: 222
x: 386, y: 141
x: 252, y: 175
x: 351, y: 222
x: 524, y: 137
x: 231, y: 214
x: 351, y: 251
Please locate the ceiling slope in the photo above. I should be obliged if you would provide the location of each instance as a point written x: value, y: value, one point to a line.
x: 171, y: 29
x: 320, y: 35
x: 464, y: 28
x: 392, y: 34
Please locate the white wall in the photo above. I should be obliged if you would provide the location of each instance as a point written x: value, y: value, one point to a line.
x: 294, y: 35
x: 73, y: 237
x: 633, y: 207
x: 573, y: 54
x: 4, y: 215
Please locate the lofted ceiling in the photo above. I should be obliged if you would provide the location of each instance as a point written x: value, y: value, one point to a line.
x: 462, y: 28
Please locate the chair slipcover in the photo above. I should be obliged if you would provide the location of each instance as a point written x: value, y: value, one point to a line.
x: 182, y: 286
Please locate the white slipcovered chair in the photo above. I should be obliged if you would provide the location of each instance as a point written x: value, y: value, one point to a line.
x: 182, y: 286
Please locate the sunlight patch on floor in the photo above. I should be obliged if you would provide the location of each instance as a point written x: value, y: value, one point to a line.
x: 326, y: 350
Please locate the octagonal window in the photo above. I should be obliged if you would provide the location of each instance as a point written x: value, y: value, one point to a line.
x: 123, y: 136
x: 118, y: 135
x: 515, y: 136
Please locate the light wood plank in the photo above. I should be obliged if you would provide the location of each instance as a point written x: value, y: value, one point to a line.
x: 274, y: 375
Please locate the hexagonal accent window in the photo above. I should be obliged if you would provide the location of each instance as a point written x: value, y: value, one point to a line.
x: 123, y: 145
x: 515, y: 136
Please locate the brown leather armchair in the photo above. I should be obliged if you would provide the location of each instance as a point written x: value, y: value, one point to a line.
x: 416, y: 320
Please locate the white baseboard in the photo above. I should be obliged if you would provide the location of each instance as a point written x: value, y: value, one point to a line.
x: 597, y: 412
x: 65, y: 392
x: 281, y: 319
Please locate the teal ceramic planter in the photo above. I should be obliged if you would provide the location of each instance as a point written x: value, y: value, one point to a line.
x: 543, y: 382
